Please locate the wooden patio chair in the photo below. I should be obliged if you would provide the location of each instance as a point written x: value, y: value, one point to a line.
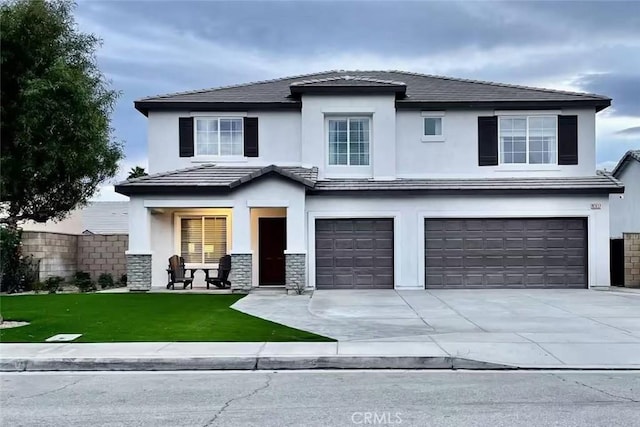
x: 224, y: 268
x: 177, y: 273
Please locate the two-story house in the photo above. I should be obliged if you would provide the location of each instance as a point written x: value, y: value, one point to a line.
x: 373, y: 179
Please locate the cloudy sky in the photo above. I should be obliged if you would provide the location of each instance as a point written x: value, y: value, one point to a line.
x: 154, y: 47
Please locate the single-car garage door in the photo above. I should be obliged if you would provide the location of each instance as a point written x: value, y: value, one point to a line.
x: 506, y: 252
x: 354, y: 253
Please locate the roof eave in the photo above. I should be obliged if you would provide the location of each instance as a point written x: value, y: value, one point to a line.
x: 159, y: 105
x: 598, y: 104
x: 470, y: 192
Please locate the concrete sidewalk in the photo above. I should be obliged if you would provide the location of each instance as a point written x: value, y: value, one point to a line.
x: 299, y: 355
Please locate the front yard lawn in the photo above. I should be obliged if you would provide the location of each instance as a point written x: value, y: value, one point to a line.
x: 139, y: 317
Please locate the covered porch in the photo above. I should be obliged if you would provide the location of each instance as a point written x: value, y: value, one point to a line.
x: 261, y: 226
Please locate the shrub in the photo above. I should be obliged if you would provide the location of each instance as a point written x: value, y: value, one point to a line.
x: 105, y: 280
x: 83, y: 282
x: 18, y: 273
x: 123, y: 280
x: 53, y: 284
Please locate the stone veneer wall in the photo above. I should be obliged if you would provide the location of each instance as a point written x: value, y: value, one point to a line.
x: 139, y: 272
x: 631, y: 260
x: 63, y: 254
x: 295, y: 273
x: 103, y: 253
x: 241, y: 273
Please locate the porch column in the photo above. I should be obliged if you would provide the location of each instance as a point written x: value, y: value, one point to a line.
x: 296, y: 255
x: 139, y: 253
x: 241, y: 255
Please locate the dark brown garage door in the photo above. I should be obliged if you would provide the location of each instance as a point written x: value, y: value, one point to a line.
x: 354, y: 253
x: 509, y: 253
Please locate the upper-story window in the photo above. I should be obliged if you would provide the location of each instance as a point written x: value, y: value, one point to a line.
x: 218, y: 136
x: 528, y: 139
x: 349, y: 141
x: 432, y: 126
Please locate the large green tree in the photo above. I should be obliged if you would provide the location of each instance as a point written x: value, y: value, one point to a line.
x: 57, y: 145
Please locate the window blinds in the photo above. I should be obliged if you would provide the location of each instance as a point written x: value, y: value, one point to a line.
x: 203, y: 240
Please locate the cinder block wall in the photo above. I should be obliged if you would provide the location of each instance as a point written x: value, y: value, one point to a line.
x: 57, y: 252
x: 631, y: 260
x: 63, y: 254
x: 103, y: 253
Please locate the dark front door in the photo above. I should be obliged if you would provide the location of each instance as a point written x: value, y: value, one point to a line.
x: 272, y: 241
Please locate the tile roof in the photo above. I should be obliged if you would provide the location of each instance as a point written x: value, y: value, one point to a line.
x: 346, y: 79
x: 211, y: 177
x: 420, y: 89
x: 628, y: 156
x: 601, y: 181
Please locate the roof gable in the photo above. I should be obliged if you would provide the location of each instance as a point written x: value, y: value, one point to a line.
x: 628, y: 157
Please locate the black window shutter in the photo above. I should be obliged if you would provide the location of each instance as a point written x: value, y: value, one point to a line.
x: 567, y: 140
x: 251, y: 137
x: 186, y: 136
x: 487, y: 141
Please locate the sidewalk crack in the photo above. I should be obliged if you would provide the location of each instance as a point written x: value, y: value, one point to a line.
x: 537, y: 344
x: 235, y: 399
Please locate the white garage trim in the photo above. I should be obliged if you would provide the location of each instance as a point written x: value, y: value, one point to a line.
x: 311, y: 238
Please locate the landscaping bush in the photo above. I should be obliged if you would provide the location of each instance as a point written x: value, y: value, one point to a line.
x: 123, y: 280
x: 52, y: 284
x: 18, y: 273
x: 105, y: 280
x: 83, y: 282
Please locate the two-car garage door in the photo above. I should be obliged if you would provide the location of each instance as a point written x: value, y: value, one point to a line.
x: 458, y: 253
x: 506, y: 252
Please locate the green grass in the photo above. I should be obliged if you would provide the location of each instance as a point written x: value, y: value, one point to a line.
x: 139, y: 317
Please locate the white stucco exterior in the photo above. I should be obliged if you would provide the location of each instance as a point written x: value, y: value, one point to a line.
x: 625, y: 209
x: 397, y: 151
x: 409, y: 213
x: 457, y: 155
x: 279, y: 140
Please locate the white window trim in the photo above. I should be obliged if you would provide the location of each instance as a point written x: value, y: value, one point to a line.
x: 218, y: 157
x: 526, y: 164
x: 177, y: 233
x: 348, y: 167
x: 433, y: 115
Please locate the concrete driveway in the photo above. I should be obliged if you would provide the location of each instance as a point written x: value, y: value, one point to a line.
x: 545, y: 327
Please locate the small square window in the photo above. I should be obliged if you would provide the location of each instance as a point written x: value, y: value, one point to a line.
x: 433, y: 126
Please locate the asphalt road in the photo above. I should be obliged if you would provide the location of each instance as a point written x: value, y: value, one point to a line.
x: 321, y: 398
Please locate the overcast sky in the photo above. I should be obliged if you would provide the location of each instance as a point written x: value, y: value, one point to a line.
x: 154, y: 47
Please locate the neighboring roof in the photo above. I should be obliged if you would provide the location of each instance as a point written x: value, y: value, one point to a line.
x: 598, y: 183
x: 628, y: 157
x: 106, y: 217
x: 422, y: 91
x: 211, y: 177
x: 96, y: 217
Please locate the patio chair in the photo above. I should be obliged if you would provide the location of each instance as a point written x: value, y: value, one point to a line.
x: 177, y: 273
x: 224, y: 268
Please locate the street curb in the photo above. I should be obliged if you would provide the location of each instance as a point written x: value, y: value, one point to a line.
x: 244, y: 363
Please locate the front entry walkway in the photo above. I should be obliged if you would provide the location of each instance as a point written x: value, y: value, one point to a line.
x: 574, y: 327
